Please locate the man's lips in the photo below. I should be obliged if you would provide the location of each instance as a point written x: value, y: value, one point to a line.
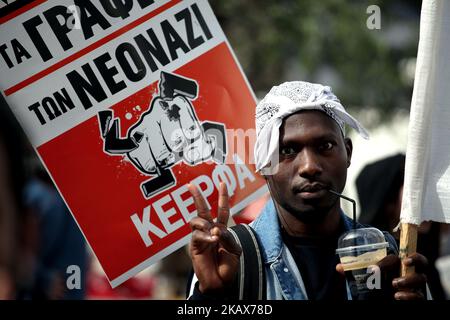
x: 310, y: 187
x: 311, y: 190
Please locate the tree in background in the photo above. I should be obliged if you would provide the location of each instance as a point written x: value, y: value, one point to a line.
x: 327, y: 41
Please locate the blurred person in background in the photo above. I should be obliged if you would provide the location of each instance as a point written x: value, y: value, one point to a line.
x: 39, y: 239
x: 380, y: 189
x: 174, y: 272
x: 61, y: 243
x: 17, y: 225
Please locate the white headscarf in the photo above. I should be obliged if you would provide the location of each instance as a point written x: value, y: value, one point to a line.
x: 289, y: 98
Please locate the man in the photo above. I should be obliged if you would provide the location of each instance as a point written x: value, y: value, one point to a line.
x: 302, y: 152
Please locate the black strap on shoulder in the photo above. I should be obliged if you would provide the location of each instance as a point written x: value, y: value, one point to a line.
x: 252, y: 284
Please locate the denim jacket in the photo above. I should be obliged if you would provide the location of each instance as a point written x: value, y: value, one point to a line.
x: 283, y: 279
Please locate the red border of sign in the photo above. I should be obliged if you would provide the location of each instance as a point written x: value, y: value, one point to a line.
x: 21, y: 10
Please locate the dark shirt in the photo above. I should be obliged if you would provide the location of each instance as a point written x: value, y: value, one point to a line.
x: 316, y: 260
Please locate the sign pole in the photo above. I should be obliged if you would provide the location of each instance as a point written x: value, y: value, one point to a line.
x: 408, y: 245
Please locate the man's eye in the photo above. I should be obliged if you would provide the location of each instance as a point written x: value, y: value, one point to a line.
x: 286, y: 151
x: 326, y: 146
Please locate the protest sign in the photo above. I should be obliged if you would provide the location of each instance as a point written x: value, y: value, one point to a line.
x: 125, y: 103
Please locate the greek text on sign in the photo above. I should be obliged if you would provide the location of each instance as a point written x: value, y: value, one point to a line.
x: 126, y: 102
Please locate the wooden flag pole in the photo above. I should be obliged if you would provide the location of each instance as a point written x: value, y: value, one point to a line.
x: 408, y: 245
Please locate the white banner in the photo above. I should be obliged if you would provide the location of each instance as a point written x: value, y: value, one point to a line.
x: 426, y: 194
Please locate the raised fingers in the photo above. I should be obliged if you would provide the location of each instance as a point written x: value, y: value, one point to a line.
x: 223, y: 213
x: 200, y: 203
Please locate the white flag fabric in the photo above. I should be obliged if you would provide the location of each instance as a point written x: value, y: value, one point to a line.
x: 426, y: 194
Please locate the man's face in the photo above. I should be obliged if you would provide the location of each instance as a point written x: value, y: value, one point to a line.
x: 313, y: 157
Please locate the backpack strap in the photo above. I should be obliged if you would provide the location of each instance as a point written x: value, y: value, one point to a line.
x: 251, y: 277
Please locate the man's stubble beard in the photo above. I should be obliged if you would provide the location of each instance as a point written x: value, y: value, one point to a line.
x: 311, y: 216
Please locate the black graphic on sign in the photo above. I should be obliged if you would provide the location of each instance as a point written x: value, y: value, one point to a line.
x: 168, y: 132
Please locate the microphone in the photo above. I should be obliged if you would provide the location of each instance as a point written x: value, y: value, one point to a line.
x: 348, y: 199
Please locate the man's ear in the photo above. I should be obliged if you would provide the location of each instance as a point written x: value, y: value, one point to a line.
x: 349, y: 148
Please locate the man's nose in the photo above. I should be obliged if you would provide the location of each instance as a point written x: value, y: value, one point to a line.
x: 308, y: 164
